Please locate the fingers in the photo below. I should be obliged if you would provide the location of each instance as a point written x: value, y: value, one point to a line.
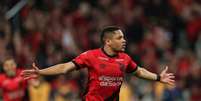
x: 171, y: 76
x: 169, y: 79
x: 27, y: 74
x: 171, y: 82
x: 166, y: 68
x: 32, y: 73
x: 27, y: 77
x: 34, y: 66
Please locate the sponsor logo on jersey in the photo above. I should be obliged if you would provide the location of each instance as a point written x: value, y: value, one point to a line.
x: 110, y: 81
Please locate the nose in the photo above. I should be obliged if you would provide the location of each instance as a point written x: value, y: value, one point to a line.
x: 124, y: 41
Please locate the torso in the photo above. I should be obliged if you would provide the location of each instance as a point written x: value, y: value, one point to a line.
x: 105, y: 75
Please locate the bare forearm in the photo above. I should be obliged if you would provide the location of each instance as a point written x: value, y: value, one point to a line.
x: 145, y: 74
x: 58, y: 69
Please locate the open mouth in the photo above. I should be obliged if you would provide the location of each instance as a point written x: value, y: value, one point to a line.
x: 124, y: 46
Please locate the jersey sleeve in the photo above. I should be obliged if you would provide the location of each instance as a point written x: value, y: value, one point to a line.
x: 132, y: 66
x: 82, y: 61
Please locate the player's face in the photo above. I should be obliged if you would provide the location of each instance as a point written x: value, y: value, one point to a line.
x: 118, y: 42
x: 9, y: 67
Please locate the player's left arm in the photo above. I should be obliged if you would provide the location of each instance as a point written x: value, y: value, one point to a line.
x: 163, y: 77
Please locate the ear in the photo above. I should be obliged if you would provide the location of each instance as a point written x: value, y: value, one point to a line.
x: 107, y: 41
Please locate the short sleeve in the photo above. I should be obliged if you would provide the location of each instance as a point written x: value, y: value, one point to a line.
x: 132, y: 66
x: 82, y: 61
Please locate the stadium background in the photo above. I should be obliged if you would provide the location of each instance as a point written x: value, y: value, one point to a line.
x: 159, y: 33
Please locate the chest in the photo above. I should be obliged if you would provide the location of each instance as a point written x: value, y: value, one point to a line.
x: 109, y: 66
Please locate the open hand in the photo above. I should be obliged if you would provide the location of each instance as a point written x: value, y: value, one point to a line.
x: 31, y: 73
x: 167, y: 78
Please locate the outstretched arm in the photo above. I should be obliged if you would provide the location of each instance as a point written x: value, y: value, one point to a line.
x: 52, y: 70
x: 164, y: 77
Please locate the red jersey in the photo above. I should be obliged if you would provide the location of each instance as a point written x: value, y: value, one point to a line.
x: 12, y: 88
x: 105, y: 73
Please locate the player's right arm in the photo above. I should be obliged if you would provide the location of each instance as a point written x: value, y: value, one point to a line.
x: 52, y: 70
x: 79, y: 62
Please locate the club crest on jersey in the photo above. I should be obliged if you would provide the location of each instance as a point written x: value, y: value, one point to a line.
x: 121, y: 66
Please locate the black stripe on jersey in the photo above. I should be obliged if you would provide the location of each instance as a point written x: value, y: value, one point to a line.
x: 111, y: 56
x: 134, y: 69
x: 78, y: 67
x: 85, y: 92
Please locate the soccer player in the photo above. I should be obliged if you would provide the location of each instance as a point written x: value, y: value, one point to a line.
x: 12, y: 84
x: 106, y: 66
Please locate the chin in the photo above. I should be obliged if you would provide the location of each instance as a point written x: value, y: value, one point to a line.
x: 122, y: 50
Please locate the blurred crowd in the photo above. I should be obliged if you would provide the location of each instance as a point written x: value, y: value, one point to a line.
x: 158, y: 32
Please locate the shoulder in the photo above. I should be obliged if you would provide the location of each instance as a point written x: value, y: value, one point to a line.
x: 91, y: 52
x: 124, y: 55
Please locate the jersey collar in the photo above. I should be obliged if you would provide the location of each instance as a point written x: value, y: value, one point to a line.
x: 111, y: 56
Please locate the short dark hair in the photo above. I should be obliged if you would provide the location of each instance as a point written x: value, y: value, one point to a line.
x: 107, y: 30
x: 9, y: 57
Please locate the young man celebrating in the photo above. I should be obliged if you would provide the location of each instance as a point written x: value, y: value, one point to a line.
x: 107, y: 67
x: 12, y: 84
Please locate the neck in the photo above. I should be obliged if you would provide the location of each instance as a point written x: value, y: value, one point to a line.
x: 108, y: 51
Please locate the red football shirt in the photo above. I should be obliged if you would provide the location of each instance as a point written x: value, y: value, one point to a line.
x: 12, y: 88
x: 105, y: 73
